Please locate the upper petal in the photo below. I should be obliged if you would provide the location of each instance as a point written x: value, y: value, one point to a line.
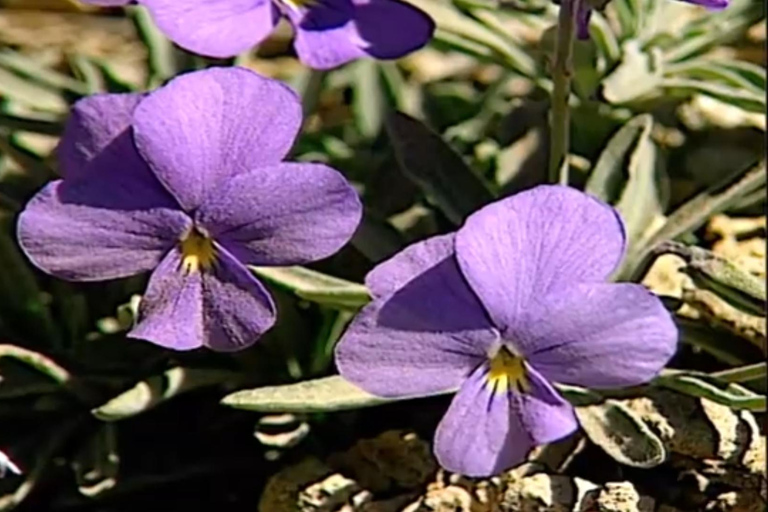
x: 284, y: 214
x: 598, y: 335
x: 390, y: 29
x: 391, y: 275
x: 709, y: 4
x: 424, y: 339
x: 115, y: 220
x: 225, y: 308
x: 486, y: 432
x: 534, y: 242
x: 93, y: 123
x: 217, y: 28
x: 205, y: 127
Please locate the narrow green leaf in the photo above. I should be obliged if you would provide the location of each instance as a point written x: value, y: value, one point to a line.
x: 327, y: 394
x: 426, y: 159
x: 696, y: 386
x: 742, y: 373
x: 636, y: 78
x: 30, y: 124
x: 621, y: 434
x: 450, y: 20
x: 368, y: 98
x: 749, y: 100
x: 692, y: 215
x: 39, y: 74
x: 30, y: 94
x: 609, y: 174
x: 156, y: 390
x: 316, y: 286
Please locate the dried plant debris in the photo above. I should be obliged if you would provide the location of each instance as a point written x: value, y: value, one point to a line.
x: 716, y: 456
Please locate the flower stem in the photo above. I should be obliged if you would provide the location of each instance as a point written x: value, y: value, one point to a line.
x: 562, y: 70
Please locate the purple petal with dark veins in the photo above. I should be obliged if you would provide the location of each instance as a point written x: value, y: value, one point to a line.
x: 598, y: 335
x: 225, y: 308
x: 114, y: 220
x: 93, y: 123
x: 425, y: 338
x: 283, y: 214
x: 486, y: 432
x: 204, y: 128
x: 535, y: 242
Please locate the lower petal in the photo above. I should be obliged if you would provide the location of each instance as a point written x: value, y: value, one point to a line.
x: 225, y: 309
x: 486, y: 432
x: 217, y: 28
x: 391, y: 29
x: 599, y: 335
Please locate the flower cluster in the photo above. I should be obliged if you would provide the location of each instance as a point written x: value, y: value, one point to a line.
x: 328, y: 32
x: 188, y: 182
x: 513, y: 301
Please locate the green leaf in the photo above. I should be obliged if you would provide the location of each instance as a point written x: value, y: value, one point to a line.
x: 316, y: 286
x: 718, y: 275
x: 622, y: 434
x: 426, y: 159
x: 327, y: 394
x: 698, y: 387
x: 455, y: 23
x: 692, y: 215
x: 368, y: 98
x: 30, y: 94
x: 742, y: 373
x: 156, y: 390
x: 628, y: 174
x: 609, y: 175
x: 636, y: 78
x: 748, y: 100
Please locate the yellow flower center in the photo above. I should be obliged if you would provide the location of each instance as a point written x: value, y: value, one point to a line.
x: 197, y: 252
x: 507, y: 373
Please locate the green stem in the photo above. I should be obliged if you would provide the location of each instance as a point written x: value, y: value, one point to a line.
x: 562, y: 71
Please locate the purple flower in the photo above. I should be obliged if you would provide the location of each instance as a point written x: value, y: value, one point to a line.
x: 328, y: 32
x: 513, y: 301
x: 188, y: 182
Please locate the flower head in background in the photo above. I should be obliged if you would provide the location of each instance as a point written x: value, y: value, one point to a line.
x: 188, y: 182
x: 328, y: 32
x: 513, y: 301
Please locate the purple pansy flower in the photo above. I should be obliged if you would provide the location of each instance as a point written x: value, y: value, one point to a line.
x: 188, y: 182
x: 513, y: 301
x: 328, y: 32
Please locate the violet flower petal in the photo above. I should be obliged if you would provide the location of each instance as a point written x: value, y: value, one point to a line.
x: 383, y: 29
x: 583, y: 16
x: 203, y: 128
x: 224, y: 308
x: 92, y: 125
x: 391, y: 275
x: 709, y: 4
x: 484, y: 433
x: 115, y: 220
x: 390, y: 28
x: 327, y: 48
x: 424, y: 339
x: 284, y: 214
x: 217, y: 28
x: 598, y: 335
x: 530, y: 244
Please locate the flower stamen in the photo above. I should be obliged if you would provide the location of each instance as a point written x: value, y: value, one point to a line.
x: 507, y: 373
x: 197, y: 252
